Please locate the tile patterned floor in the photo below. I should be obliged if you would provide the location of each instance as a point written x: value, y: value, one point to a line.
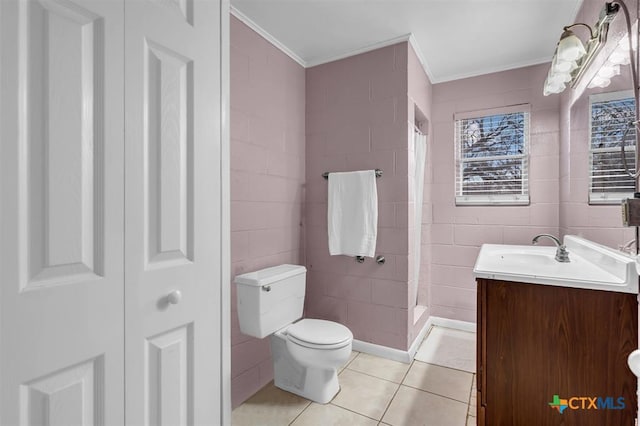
x: 438, y: 388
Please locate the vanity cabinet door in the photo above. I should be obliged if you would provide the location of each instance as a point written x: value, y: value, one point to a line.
x: 481, y: 381
x: 539, y: 341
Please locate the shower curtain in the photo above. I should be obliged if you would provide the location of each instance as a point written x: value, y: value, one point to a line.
x: 420, y: 153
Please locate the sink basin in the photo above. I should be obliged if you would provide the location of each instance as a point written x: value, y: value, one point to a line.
x: 592, y: 265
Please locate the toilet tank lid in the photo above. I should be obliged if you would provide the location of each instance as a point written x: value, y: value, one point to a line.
x: 270, y: 275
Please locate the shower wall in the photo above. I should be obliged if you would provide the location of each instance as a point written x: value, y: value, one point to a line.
x: 419, y: 93
x: 267, y: 181
x: 358, y: 110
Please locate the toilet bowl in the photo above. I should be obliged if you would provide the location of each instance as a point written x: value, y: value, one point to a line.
x: 306, y: 352
x: 315, y: 349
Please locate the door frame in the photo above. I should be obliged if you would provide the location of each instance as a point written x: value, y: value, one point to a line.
x: 225, y: 215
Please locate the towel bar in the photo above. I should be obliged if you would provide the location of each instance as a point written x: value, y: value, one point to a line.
x: 378, y: 174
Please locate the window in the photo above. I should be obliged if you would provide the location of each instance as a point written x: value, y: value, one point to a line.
x: 610, y: 115
x: 492, y: 156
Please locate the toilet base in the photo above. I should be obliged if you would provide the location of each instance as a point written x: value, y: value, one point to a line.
x: 318, y: 385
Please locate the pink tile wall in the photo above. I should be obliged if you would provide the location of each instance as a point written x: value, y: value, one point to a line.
x: 267, y: 181
x: 600, y: 223
x: 458, y: 232
x: 420, y: 97
x: 357, y: 119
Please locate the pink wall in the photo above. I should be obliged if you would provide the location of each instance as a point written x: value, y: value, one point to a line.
x: 267, y: 181
x: 458, y: 232
x: 600, y: 223
x: 357, y: 119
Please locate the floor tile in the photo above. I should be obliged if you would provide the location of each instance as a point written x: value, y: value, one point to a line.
x: 387, y: 369
x: 353, y: 356
x: 412, y: 407
x: 473, y: 398
x: 454, y: 384
x: 449, y: 348
x: 364, y: 394
x: 270, y: 406
x: 431, y: 393
x: 331, y: 415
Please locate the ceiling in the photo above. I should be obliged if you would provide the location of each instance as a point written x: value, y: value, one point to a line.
x: 454, y: 38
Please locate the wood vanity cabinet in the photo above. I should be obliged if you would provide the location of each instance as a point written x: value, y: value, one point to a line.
x: 536, y: 341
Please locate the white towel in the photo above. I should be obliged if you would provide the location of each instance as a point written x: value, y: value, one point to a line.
x: 352, y: 215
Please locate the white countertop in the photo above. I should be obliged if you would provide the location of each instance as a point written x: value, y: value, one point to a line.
x: 591, y: 266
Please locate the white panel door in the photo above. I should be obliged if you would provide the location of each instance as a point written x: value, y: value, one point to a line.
x: 61, y: 212
x: 172, y: 219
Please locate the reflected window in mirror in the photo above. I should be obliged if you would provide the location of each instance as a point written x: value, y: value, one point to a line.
x: 610, y: 114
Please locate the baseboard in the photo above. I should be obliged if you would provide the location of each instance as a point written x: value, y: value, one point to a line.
x: 407, y: 356
x: 455, y: 324
x: 411, y: 353
x: 381, y: 351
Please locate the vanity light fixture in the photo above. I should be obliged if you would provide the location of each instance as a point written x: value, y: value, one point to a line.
x: 572, y: 57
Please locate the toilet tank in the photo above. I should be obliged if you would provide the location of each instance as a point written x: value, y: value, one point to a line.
x: 270, y: 298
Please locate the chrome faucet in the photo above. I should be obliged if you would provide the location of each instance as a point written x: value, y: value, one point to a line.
x: 562, y: 255
x: 626, y: 247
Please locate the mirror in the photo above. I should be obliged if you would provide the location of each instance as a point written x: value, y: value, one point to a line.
x: 593, y: 178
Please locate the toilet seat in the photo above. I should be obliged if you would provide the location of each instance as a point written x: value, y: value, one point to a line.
x: 319, y: 334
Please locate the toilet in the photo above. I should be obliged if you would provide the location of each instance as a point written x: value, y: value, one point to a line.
x: 306, y: 352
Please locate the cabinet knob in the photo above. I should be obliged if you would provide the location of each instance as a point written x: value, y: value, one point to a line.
x: 174, y: 297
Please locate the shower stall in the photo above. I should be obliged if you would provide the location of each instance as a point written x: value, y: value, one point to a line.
x: 418, y: 156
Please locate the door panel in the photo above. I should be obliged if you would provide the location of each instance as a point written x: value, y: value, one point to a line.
x: 168, y: 145
x: 172, y: 214
x: 60, y: 127
x: 67, y: 397
x: 61, y: 210
x: 169, y: 359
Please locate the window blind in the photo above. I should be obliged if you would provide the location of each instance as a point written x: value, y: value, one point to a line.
x: 610, y: 117
x: 492, y: 158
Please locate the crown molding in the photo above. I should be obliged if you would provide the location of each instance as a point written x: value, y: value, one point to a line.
x: 416, y: 49
x: 266, y: 35
x: 486, y: 71
x: 409, y: 38
x: 368, y: 48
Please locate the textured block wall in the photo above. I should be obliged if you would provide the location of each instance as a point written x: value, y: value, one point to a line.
x: 458, y: 232
x: 357, y: 119
x: 267, y: 181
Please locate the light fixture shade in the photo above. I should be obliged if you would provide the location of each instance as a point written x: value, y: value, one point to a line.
x: 570, y: 48
x: 553, y: 87
x: 555, y: 82
x: 563, y: 67
x: 558, y: 78
x: 607, y: 71
x: 619, y: 57
x: 599, y: 82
